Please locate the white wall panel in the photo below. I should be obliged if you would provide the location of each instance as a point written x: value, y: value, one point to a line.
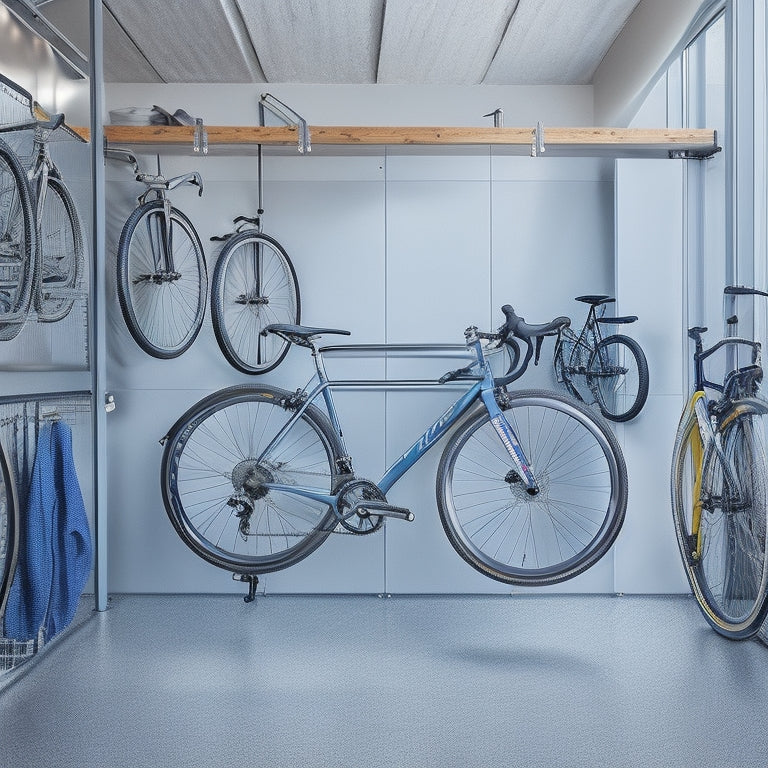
x: 552, y: 241
x: 649, y: 225
x: 438, y: 259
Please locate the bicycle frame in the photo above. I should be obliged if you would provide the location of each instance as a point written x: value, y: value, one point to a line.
x: 586, y: 341
x: 699, y: 406
x: 482, y: 388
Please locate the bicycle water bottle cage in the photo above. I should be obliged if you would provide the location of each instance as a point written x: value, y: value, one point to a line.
x: 596, y: 300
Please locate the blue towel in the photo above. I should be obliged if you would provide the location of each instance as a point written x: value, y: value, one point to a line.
x: 55, y: 554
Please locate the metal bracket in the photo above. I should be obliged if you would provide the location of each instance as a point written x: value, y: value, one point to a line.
x: 124, y: 155
x: 537, y: 140
x: 498, y: 117
x: 696, y: 154
x: 288, y: 116
x: 200, y: 142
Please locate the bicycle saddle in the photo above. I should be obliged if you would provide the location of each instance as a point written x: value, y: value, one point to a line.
x: 595, y: 300
x: 617, y: 320
x: 300, y: 334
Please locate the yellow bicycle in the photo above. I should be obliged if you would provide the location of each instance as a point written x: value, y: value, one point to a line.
x: 720, y: 487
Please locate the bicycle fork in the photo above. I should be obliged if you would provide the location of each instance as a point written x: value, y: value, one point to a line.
x: 706, y: 436
x: 522, y: 471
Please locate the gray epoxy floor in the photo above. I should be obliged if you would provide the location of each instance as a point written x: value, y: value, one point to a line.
x: 405, y: 681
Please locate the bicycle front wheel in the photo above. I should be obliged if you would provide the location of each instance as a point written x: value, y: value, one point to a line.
x: 720, y: 507
x: 62, y: 253
x: 215, y: 465
x: 618, y: 376
x: 162, y: 281
x: 254, y: 284
x: 511, y: 536
x: 17, y: 244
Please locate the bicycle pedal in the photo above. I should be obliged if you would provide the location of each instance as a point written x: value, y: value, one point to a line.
x: 385, y: 510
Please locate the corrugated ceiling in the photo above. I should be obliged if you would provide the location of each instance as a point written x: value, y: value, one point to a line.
x: 449, y: 42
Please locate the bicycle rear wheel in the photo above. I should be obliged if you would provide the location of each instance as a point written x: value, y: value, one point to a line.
x: 17, y: 244
x: 726, y: 557
x: 254, y: 284
x: 213, y: 471
x: 162, y: 295
x: 9, y: 529
x: 618, y: 376
x: 62, y: 250
x: 511, y: 536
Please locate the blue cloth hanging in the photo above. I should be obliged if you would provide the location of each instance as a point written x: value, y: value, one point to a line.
x: 55, y: 554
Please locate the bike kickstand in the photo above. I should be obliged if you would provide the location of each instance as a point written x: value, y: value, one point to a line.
x: 253, y: 582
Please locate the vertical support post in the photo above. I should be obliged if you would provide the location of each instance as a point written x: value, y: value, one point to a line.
x: 97, y: 314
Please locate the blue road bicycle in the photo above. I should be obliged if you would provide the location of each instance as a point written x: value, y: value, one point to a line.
x: 531, y: 488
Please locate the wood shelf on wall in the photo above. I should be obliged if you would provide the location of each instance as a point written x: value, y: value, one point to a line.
x: 616, y: 142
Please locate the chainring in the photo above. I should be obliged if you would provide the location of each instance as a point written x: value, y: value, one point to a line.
x: 359, y: 521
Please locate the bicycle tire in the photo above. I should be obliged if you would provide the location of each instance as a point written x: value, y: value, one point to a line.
x: 254, y: 284
x: 516, y: 538
x: 18, y: 244
x: 728, y: 573
x: 62, y: 249
x: 9, y: 529
x: 618, y: 376
x: 210, y: 457
x: 164, y: 313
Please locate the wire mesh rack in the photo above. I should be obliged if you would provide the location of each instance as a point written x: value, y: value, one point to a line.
x: 21, y: 418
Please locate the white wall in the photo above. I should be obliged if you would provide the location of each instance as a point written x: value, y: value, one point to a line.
x: 409, y: 245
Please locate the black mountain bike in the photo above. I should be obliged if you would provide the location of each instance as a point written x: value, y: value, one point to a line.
x: 612, y: 370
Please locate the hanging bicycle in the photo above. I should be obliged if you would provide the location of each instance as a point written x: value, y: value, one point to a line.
x: 611, y: 370
x: 42, y: 249
x: 531, y: 488
x: 162, y: 278
x: 254, y: 281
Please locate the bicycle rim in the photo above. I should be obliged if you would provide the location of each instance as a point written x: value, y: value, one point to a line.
x: 61, y: 244
x: 163, y: 308
x: 9, y: 529
x: 254, y: 285
x: 726, y: 559
x: 212, y: 472
x: 618, y: 376
x: 17, y: 244
x: 511, y: 536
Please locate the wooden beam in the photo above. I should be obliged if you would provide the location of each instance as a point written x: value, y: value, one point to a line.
x: 562, y: 138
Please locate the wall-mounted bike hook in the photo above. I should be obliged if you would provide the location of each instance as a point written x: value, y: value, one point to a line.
x: 288, y: 116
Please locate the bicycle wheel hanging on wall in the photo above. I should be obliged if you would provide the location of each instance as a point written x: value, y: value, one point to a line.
x: 254, y: 284
x: 254, y: 281
x: 62, y: 244
x: 163, y: 304
x: 17, y: 244
x: 617, y: 374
